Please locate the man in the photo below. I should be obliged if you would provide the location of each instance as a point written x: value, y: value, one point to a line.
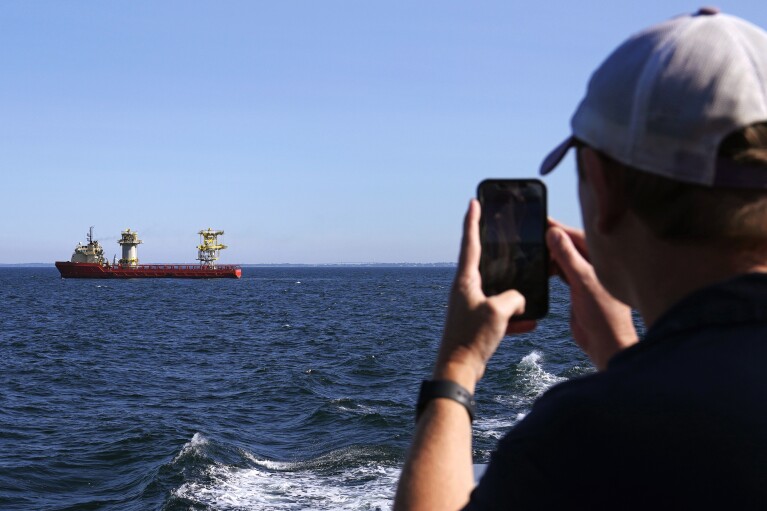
x: 671, y: 144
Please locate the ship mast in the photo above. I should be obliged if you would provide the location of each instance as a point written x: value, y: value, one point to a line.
x: 208, y: 250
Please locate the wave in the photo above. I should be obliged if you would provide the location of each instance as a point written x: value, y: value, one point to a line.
x: 350, y: 478
x: 495, y: 427
x: 193, y: 447
x: 530, y: 381
x: 533, y: 378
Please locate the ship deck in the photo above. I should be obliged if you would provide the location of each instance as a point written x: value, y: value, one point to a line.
x: 184, y: 271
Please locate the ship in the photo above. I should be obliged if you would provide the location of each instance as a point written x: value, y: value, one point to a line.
x: 88, y: 261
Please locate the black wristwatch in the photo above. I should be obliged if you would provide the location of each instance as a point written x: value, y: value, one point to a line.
x: 432, y: 389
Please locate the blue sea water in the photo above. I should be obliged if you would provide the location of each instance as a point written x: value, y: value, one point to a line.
x: 291, y: 388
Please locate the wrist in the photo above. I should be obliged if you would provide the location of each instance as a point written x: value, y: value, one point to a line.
x: 445, y: 389
x: 461, y: 373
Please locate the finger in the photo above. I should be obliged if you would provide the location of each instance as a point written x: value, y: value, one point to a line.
x: 579, y: 240
x: 579, y: 334
x: 554, y: 223
x: 509, y: 303
x: 576, y: 235
x: 567, y: 257
x: 470, y: 247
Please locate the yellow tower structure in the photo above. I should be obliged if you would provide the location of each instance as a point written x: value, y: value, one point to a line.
x: 208, y: 251
x: 129, y: 243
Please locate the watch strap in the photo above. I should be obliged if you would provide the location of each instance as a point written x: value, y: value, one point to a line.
x: 432, y: 389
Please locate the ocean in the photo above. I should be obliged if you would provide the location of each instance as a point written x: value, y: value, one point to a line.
x: 291, y: 388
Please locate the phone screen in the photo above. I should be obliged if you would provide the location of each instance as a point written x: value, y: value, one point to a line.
x: 512, y: 234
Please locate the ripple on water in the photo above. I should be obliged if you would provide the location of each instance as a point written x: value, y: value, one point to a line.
x: 260, y: 393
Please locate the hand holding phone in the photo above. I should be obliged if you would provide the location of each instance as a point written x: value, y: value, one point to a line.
x: 512, y: 235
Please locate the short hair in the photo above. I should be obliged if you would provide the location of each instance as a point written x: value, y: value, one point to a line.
x: 689, y: 213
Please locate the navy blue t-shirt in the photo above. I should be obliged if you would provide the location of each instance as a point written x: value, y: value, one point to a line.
x: 677, y: 421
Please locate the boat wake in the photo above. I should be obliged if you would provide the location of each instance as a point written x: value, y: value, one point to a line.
x: 350, y: 478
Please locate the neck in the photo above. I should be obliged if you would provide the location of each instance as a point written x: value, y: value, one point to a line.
x: 665, y: 272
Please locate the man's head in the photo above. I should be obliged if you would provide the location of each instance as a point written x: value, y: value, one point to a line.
x: 677, y: 114
x: 680, y: 212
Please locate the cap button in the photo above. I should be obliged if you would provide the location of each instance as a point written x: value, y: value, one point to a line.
x: 707, y: 11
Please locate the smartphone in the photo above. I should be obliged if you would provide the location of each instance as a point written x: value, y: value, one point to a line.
x: 513, y: 237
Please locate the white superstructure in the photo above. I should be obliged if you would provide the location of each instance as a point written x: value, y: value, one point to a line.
x: 129, y: 243
x: 90, y: 253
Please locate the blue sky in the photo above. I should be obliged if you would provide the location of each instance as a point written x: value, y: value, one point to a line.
x: 310, y: 131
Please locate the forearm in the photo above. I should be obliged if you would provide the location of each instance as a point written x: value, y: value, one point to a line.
x: 438, y: 472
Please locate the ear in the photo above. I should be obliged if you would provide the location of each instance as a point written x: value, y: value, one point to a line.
x: 608, y: 196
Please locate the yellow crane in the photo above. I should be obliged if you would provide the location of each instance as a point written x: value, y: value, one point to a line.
x: 208, y: 250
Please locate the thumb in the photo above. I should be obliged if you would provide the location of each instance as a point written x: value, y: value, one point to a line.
x: 509, y: 303
x: 570, y: 262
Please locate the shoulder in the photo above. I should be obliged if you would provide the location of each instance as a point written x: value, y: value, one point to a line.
x: 568, y: 411
x: 532, y: 466
x: 665, y: 419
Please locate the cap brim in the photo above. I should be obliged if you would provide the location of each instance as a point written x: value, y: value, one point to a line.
x: 555, y: 156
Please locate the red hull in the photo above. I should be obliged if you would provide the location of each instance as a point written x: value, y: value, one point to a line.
x: 143, y: 271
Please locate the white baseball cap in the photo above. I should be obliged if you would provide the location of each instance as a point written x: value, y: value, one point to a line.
x: 667, y: 97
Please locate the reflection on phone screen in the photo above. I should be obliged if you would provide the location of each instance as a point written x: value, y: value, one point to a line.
x: 513, y: 247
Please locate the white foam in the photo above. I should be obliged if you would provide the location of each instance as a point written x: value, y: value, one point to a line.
x: 287, y: 486
x: 197, y: 440
x: 273, y: 465
x: 357, y: 409
x: 493, y: 427
x: 533, y: 378
x: 316, y: 485
x: 193, y: 446
x: 532, y: 381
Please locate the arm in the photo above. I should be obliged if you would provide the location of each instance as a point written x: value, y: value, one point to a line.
x: 601, y: 325
x: 438, y: 471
